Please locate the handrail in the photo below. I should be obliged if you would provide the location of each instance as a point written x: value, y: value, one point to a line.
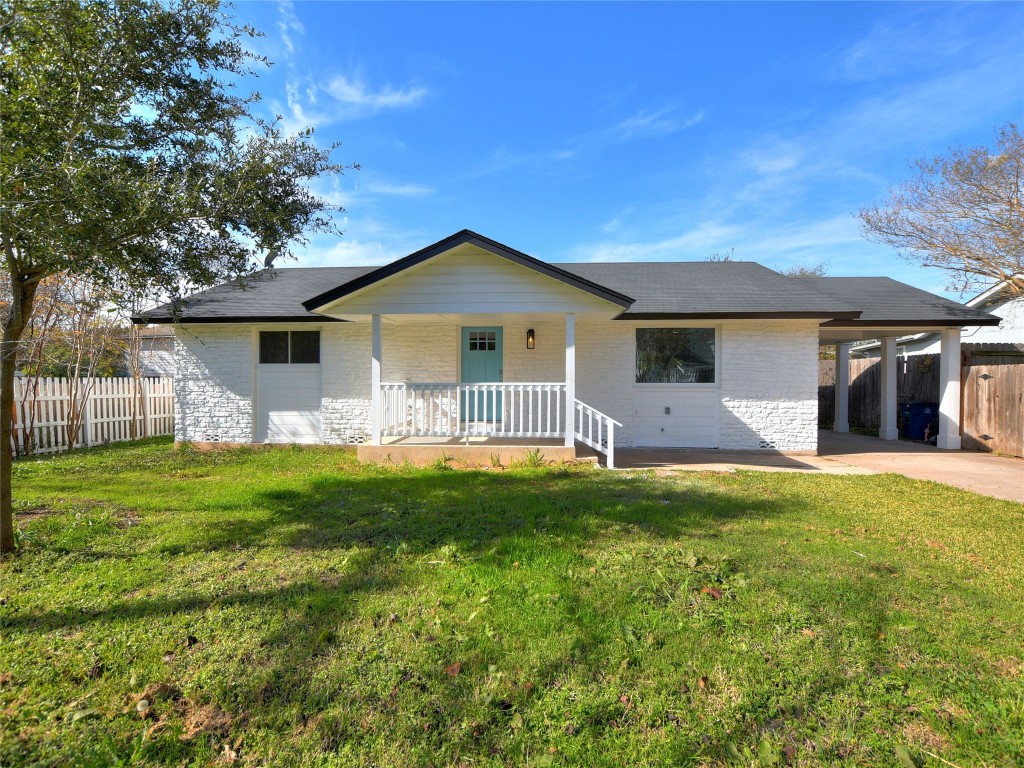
x: 604, y: 441
x: 604, y: 416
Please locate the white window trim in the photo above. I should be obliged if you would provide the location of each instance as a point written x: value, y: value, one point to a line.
x: 716, y: 384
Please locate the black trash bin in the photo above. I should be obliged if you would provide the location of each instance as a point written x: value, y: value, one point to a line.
x: 917, y: 415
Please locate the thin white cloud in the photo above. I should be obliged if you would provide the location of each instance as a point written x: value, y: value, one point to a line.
x: 397, y: 190
x: 348, y: 253
x: 645, y: 124
x: 354, y: 92
x: 288, y: 24
x: 907, y: 41
x: 695, y: 243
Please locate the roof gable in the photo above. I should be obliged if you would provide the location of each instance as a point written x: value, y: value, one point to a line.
x: 465, y: 237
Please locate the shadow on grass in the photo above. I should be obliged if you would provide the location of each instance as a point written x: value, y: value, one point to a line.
x: 421, y: 511
x: 298, y: 690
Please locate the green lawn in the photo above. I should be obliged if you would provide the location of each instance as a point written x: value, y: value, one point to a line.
x: 293, y: 608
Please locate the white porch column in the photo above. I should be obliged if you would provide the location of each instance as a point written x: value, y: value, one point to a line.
x: 888, y: 430
x: 949, y: 390
x: 376, y: 347
x: 570, y: 380
x: 842, y: 420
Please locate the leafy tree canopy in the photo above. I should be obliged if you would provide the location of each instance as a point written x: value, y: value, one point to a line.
x: 128, y: 157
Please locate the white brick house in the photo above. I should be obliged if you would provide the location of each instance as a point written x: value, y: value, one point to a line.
x: 468, y: 341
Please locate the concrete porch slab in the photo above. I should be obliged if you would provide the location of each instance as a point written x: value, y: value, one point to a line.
x: 480, y: 452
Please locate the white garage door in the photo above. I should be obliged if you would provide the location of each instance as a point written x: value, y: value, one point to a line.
x: 288, y: 400
x: 666, y: 417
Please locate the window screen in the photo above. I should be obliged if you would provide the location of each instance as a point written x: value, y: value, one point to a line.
x: 675, y: 356
x: 289, y: 346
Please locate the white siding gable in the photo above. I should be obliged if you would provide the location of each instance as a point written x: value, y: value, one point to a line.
x: 469, y: 280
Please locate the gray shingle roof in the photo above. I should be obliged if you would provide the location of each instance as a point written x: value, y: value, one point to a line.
x: 883, y: 300
x: 710, y: 289
x: 660, y: 289
x: 269, y: 295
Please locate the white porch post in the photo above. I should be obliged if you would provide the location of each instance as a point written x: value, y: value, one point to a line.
x: 888, y: 429
x: 842, y: 420
x: 949, y: 390
x: 570, y: 380
x: 376, y: 347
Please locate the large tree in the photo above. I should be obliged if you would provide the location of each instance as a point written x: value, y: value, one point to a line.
x: 961, y: 212
x: 127, y: 157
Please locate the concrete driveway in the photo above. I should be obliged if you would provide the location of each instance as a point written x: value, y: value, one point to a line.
x: 848, y: 454
x: 999, y: 476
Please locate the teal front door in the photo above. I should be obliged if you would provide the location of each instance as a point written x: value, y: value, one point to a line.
x: 481, y: 362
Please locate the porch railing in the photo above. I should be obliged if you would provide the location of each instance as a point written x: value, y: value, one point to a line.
x: 500, y: 409
x: 493, y: 409
x: 596, y: 429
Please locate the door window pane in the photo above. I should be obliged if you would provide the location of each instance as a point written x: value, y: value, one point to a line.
x: 305, y: 346
x: 273, y: 346
x: 675, y: 356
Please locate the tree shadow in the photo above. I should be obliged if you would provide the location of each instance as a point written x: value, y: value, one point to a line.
x: 420, y: 510
x: 335, y: 667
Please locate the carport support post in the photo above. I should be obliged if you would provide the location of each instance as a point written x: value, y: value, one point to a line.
x: 376, y: 347
x: 570, y: 380
x: 949, y: 390
x: 888, y: 429
x: 842, y: 420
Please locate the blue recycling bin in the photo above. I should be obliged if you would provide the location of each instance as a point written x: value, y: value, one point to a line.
x: 917, y: 415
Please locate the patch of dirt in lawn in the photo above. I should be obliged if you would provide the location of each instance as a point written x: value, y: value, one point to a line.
x: 1008, y: 667
x: 207, y: 719
x: 920, y: 733
x: 121, y: 516
x: 198, y: 719
x: 32, y: 514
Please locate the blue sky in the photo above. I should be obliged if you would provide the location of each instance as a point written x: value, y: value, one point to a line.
x: 639, y: 131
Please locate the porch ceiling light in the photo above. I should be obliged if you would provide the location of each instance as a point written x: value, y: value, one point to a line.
x: 531, y: 339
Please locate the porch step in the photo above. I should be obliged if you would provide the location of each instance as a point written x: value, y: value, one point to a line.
x: 462, y: 455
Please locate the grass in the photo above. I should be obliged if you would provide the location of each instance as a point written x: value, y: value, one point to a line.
x: 291, y: 607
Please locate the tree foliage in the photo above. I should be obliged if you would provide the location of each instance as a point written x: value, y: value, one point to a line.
x: 961, y: 212
x: 806, y: 270
x: 128, y: 157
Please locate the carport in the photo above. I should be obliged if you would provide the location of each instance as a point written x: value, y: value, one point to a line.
x: 890, y: 309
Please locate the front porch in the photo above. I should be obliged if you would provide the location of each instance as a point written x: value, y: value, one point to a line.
x: 412, y: 420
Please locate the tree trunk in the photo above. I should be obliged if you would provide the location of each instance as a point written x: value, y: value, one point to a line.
x: 23, y: 292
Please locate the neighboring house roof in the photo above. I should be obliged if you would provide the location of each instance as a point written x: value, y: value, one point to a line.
x: 645, y: 290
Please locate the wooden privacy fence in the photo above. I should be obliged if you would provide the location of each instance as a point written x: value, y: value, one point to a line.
x: 917, y: 378
x: 992, y: 397
x: 55, y: 414
x: 993, y: 403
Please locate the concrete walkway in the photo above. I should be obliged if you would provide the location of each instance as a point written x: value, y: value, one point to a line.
x: 848, y: 454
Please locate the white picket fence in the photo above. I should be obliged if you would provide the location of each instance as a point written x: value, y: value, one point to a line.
x: 112, y: 408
